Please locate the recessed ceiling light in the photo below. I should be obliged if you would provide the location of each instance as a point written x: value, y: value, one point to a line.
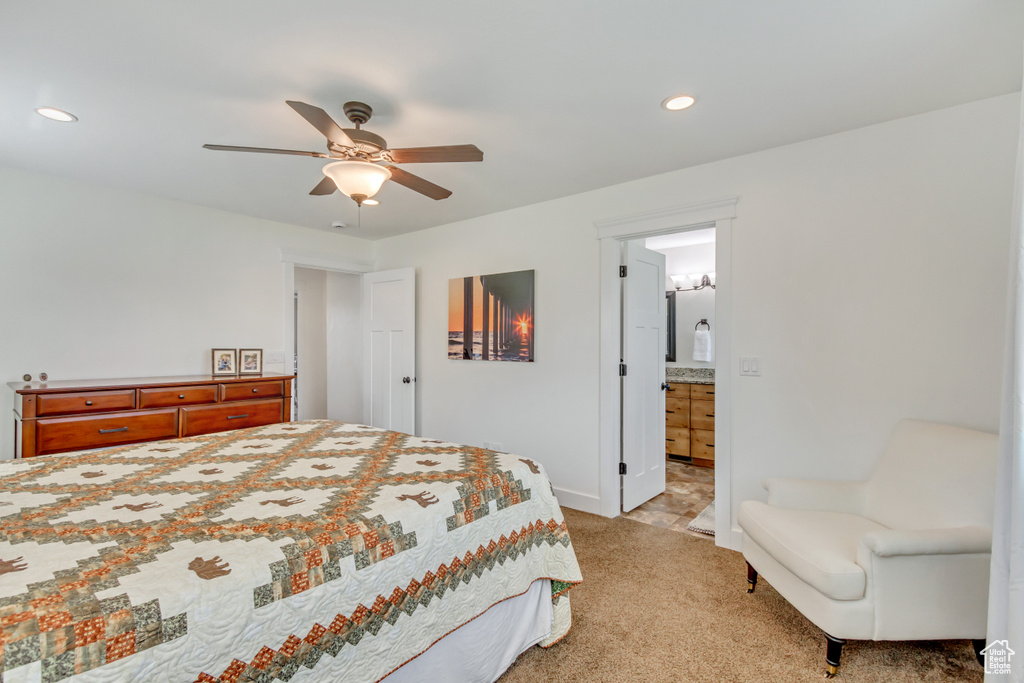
x: 56, y: 114
x: 677, y: 102
x: 370, y: 202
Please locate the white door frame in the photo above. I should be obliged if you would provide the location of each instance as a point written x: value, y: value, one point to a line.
x: 290, y: 258
x: 717, y: 214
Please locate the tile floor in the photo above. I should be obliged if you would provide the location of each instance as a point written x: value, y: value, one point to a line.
x: 688, y: 490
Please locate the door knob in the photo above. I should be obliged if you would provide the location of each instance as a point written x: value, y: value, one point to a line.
x: 406, y: 380
x: 664, y: 386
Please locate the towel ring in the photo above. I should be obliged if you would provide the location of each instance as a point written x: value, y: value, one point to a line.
x: 703, y: 321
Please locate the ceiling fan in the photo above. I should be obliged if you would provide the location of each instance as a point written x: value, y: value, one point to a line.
x: 362, y: 160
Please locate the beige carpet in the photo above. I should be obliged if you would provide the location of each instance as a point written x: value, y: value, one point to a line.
x: 657, y: 605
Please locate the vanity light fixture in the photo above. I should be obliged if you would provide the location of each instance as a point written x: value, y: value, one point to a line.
x: 685, y: 283
x: 56, y: 114
x: 677, y: 102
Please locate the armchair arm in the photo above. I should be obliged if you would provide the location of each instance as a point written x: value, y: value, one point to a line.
x: 962, y: 540
x: 809, y: 494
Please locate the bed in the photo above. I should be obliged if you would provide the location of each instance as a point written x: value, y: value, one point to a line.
x: 305, y: 551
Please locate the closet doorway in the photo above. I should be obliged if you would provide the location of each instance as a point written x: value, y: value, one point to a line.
x: 327, y: 343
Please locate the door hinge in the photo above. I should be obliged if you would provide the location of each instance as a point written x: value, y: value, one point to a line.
x: 622, y: 271
x: 622, y: 468
x: 622, y: 369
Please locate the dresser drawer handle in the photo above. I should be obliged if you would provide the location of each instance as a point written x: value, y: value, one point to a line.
x: 181, y: 395
x: 669, y: 439
x: 255, y: 390
x: 88, y: 403
x: 709, y: 415
x: 710, y: 445
x: 670, y: 411
x: 111, y: 431
x: 235, y: 417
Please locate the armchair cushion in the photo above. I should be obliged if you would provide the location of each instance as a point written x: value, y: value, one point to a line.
x: 818, y: 547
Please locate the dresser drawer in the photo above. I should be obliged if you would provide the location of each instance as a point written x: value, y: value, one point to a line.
x: 677, y: 441
x: 207, y: 419
x: 251, y: 390
x: 702, y: 392
x: 677, y: 412
x: 702, y: 415
x: 61, y: 434
x: 703, y: 444
x: 85, y: 402
x: 677, y: 390
x: 177, y: 396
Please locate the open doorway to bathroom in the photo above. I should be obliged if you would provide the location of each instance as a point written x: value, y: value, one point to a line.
x: 687, y: 505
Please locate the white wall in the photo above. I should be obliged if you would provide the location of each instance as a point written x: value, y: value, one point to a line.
x: 101, y: 283
x: 344, y: 348
x: 311, y: 331
x: 869, y: 275
x: 692, y: 306
x: 545, y: 410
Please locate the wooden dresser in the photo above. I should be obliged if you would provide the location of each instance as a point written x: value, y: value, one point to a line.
x: 56, y: 417
x: 690, y: 423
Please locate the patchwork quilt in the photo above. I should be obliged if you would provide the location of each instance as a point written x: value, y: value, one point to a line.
x: 317, y: 550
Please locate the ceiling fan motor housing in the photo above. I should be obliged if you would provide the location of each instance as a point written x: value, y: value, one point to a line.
x: 367, y: 142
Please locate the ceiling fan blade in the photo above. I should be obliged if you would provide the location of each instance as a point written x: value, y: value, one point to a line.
x: 265, y: 150
x: 414, y: 182
x: 325, y: 186
x: 430, y: 155
x: 323, y: 122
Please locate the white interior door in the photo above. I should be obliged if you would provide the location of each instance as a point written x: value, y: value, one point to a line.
x: 643, y: 353
x: 389, y: 348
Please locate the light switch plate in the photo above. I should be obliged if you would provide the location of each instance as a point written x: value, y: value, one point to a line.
x: 750, y: 366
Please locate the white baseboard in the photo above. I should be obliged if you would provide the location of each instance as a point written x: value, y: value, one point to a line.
x: 578, y: 501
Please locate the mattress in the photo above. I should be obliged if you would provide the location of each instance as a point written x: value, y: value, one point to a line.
x: 306, y: 551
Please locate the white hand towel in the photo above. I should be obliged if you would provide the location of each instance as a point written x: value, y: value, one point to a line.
x: 702, y: 346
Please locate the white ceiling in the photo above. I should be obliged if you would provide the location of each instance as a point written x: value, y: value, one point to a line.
x: 562, y: 97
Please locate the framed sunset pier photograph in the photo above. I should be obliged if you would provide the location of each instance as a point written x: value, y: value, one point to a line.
x: 490, y: 317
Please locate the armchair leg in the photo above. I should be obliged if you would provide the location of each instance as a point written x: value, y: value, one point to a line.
x: 751, y: 578
x: 834, y: 650
x: 979, y: 645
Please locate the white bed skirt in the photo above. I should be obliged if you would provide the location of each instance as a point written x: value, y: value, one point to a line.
x: 481, y: 651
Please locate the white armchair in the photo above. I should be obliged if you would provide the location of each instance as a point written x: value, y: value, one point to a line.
x: 902, y: 556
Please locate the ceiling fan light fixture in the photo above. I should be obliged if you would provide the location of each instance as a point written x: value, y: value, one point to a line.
x: 359, y: 180
x: 370, y: 202
x: 677, y: 102
x: 56, y: 114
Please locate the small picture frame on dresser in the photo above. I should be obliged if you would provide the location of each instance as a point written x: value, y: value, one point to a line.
x: 225, y: 361
x: 250, y: 361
